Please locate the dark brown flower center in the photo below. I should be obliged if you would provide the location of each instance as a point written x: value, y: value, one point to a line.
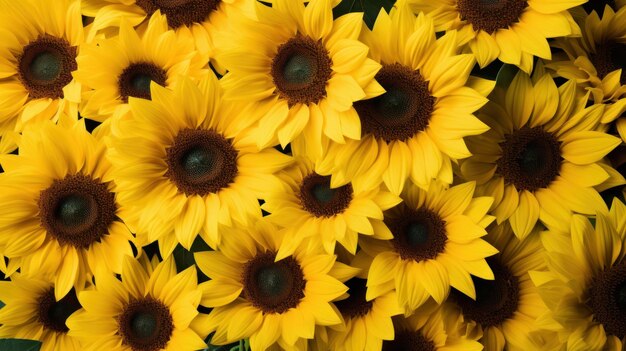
x: 145, y: 324
x: 201, y: 161
x: 77, y: 210
x: 610, y: 57
x: 135, y: 80
x: 607, y: 299
x: 273, y: 287
x: 355, y: 305
x: 403, y: 110
x: 180, y: 12
x: 52, y: 314
x: 496, y: 300
x: 531, y: 158
x: 318, y: 198
x: 300, y: 70
x: 491, y: 15
x: 46, y: 66
x: 408, y: 341
x: 418, y: 234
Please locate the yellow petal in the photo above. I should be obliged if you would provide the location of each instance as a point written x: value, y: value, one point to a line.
x: 525, y: 217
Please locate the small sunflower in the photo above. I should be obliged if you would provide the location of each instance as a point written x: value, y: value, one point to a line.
x: 431, y: 328
x: 151, y: 308
x: 304, y: 74
x: 59, y: 211
x: 436, y: 244
x: 185, y: 166
x: 416, y: 128
x: 513, y: 31
x: 32, y: 312
x: 586, y: 284
x: 37, y: 57
x: 594, y: 60
x: 540, y: 159
x: 506, y: 308
x: 123, y: 66
x: 311, y: 208
x: 270, y: 301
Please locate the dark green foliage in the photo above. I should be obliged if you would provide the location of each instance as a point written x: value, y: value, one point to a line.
x: 19, y: 345
x: 370, y: 8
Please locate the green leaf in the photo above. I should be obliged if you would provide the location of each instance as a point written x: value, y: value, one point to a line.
x: 19, y: 345
x: 370, y: 9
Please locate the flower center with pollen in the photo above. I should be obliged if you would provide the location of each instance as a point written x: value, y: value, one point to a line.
x: 180, y: 12
x: 496, y: 300
x: 355, y: 305
x: 401, y: 112
x: 607, y: 299
x: 418, y: 234
x: 531, y: 158
x: 201, y: 162
x: 77, y: 210
x: 52, y: 314
x: 300, y: 70
x: 145, y: 324
x: 318, y: 198
x: 491, y: 15
x: 609, y: 57
x: 273, y: 287
x: 46, y: 66
x: 135, y: 80
x: 408, y: 341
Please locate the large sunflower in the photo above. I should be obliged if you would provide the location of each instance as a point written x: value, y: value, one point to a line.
x: 513, y: 31
x: 310, y: 208
x: 32, y: 312
x: 271, y: 302
x: 123, y: 66
x: 417, y: 127
x: 595, y: 59
x: 37, y: 56
x: 185, y: 166
x: 506, y: 308
x: 586, y: 285
x: 436, y: 244
x: 304, y: 73
x: 540, y: 159
x: 151, y: 308
x: 59, y: 213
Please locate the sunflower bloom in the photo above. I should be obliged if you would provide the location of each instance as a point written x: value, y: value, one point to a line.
x: 436, y: 244
x: 540, y: 159
x: 151, y: 308
x: 185, y: 166
x: 272, y: 302
x: 416, y: 128
x: 513, y: 31
x: 304, y: 75
x: 59, y: 213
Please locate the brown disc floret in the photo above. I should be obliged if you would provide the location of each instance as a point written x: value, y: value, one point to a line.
x: 408, y: 341
x: 355, y: 305
x: 53, y: 314
x: 607, y: 299
x: 318, y: 198
x: 180, y: 12
x: 135, y: 80
x: 609, y: 57
x: 491, y: 15
x: 418, y: 234
x: 145, y: 324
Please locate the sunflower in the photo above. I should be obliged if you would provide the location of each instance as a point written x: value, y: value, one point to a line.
x: 32, y: 312
x: 366, y: 323
x: 505, y: 309
x: 436, y: 244
x: 417, y: 127
x: 432, y: 327
x: 270, y: 301
x: 151, y: 308
x: 585, y: 287
x: 513, y: 31
x: 310, y: 208
x: 123, y: 66
x: 37, y: 56
x: 540, y: 159
x: 185, y: 166
x: 59, y: 212
x: 304, y: 74
x: 594, y: 60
